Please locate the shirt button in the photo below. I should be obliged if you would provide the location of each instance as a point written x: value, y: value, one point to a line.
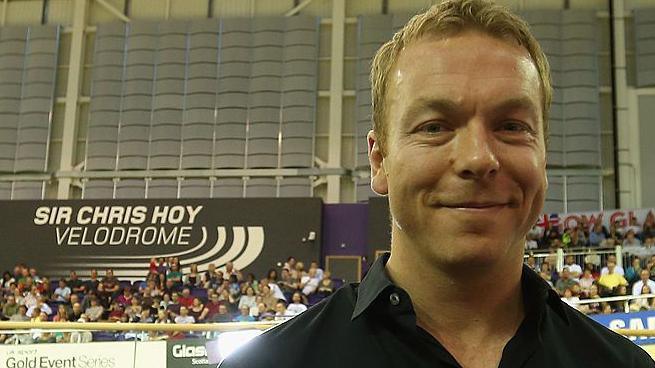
x: 394, y: 299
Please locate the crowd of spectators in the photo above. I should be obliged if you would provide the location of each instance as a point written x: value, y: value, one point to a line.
x: 590, y: 279
x: 167, y: 295
x: 576, y: 283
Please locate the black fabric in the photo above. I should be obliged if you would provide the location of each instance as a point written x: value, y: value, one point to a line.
x: 373, y: 324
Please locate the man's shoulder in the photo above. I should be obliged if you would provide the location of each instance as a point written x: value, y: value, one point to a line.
x: 608, y: 346
x: 296, y: 337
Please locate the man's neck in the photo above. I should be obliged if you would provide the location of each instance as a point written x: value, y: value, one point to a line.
x: 462, y: 309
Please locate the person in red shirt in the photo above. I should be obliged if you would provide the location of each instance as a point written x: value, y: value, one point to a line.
x: 186, y: 299
x: 211, y: 308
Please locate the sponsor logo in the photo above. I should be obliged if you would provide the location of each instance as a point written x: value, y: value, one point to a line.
x: 79, y: 361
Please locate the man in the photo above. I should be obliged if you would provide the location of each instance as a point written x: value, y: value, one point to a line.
x: 460, y: 106
x: 612, y: 279
x: 617, y: 269
x: 11, y: 307
x: 644, y: 281
x: 565, y: 281
x: 575, y: 269
x: 62, y: 293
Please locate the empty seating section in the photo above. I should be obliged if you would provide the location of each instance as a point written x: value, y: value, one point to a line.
x: 28, y: 67
x: 644, y: 32
x: 233, y: 93
x: 569, y: 39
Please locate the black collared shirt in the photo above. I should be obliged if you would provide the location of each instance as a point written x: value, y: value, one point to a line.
x: 373, y: 324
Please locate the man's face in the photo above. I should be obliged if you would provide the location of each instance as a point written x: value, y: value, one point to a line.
x: 645, y: 274
x: 465, y: 153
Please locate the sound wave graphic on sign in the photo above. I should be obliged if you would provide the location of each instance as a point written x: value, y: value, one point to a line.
x: 247, y: 245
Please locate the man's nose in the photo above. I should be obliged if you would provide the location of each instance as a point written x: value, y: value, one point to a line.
x: 474, y: 156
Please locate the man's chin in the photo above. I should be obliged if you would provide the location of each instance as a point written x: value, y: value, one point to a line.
x: 471, y: 254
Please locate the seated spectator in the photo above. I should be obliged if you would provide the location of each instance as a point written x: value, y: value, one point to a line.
x: 116, y: 312
x: 281, y: 312
x: 75, y: 284
x: 234, y: 287
x: 162, y: 317
x: 264, y: 313
x: 287, y: 284
x: 249, y: 299
x: 325, y: 287
x: 43, y: 286
x: 631, y: 241
x: 211, y: 308
x: 109, y: 288
x: 20, y: 315
x: 42, y: 307
x: 586, y: 281
x: 633, y: 272
x: 174, y: 306
x: 152, y: 266
x: 598, y: 234
x: 612, y: 279
x: 564, y: 282
x: 617, y: 269
x: 175, y: 276
x: 36, y: 315
x: 31, y: 298
x: 133, y: 311
x: 309, y: 282
x: 62, y: 293
x: 228, y: 300
x: 574, y: 269
x: 62, y: 314
x: 267, y: 297
x: 94, y: 311
x: 125, y: 299
x: 93, y: 283
x: 642, y: 304
x: 76, y: 312
x: 186, y: 299
x: 643, y: 281
x: 296, y: 306
x: 319, y: 270
x: 223, y: 314
x: 196, y: 309
x: 193, y: 279
x: 244, y: 316
x: 570, y: 299
x: 592, y: 308
x: 184, y: 316
x: 10, y: 308
x: 145, y: 316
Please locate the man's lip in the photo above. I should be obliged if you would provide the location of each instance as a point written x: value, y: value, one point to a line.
x: 479, y: 206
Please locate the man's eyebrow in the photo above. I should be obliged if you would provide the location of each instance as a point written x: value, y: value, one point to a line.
x: 516, y: 103
x: 443, y: 105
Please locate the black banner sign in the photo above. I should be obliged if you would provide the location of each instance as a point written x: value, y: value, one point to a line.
x: 255, y: 234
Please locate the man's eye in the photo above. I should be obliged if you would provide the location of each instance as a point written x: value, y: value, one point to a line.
x: 514, y: 126
x: 432, y: 128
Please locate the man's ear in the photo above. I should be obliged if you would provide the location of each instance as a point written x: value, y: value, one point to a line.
x: 378, y: 172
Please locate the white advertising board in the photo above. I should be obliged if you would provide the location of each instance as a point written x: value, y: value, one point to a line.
x: 89, y: 355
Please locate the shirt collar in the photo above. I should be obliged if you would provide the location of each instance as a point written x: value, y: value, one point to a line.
x: 536, y: 291
x: 375, y: 281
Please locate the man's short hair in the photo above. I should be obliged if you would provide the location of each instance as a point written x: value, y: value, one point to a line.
x: 449, y: 18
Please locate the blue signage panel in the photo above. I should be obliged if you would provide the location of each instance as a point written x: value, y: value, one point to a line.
x: 631, y: 321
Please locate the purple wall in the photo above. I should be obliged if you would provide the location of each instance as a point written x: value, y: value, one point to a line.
x: 345, y: 230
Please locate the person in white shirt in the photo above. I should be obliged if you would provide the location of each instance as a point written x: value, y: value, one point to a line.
x: 281, y: 312
x: 617, y: 269
x: 645, y: 280
x: 574, y: 269
x: 275, y: 290
x: 309, y: 282
x: 569, y: 299
x: 296, y: 307
x: 62, y: 293
x: 184, y: 316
